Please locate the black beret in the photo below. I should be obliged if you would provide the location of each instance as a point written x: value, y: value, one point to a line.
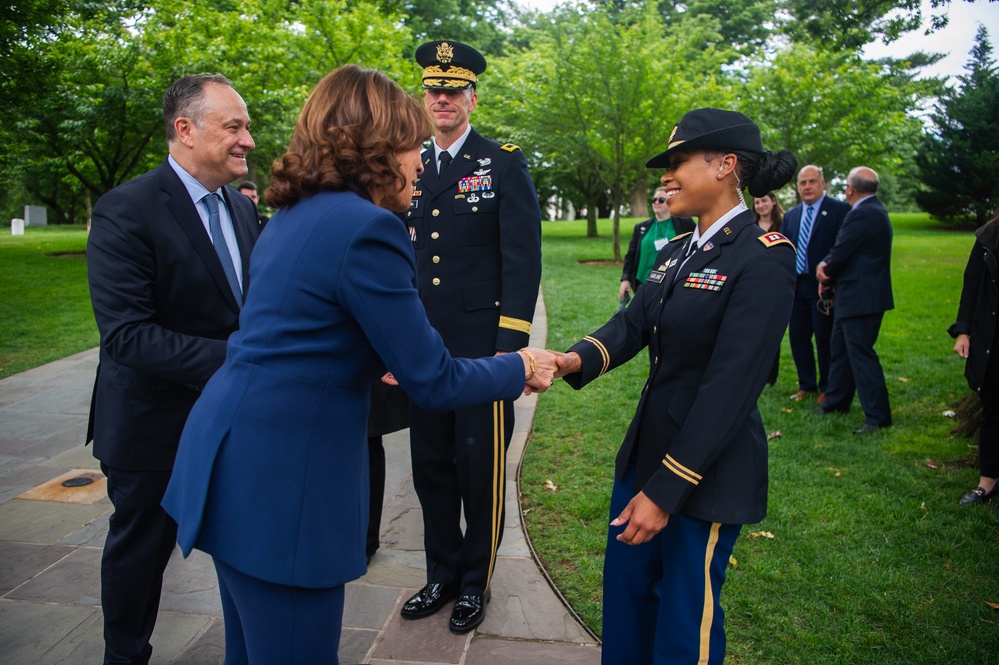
x: 449, y: 65
x: 704, y: 129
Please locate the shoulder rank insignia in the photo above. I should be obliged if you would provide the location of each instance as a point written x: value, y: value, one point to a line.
x: 773, y: 239
x: 509, y: 147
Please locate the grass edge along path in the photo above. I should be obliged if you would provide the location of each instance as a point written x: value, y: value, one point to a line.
x: 864, y: 556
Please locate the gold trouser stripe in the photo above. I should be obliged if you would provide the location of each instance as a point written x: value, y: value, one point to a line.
x: 519, y: 325
x: 708, y: 613
x: 681, y: 470
x: 603, y: 352
x: 499, y: 483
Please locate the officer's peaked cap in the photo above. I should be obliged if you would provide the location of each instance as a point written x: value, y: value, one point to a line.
x: 449, y: 65
x: 705, y: 129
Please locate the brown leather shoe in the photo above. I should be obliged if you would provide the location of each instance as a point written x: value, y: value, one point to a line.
x: 821, y: 399
x: 801, y: 394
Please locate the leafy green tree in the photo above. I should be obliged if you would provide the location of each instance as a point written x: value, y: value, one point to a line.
x: 592, y: 100
x: 850, y: 24
x: 959, y: 161
x: 834, y: 109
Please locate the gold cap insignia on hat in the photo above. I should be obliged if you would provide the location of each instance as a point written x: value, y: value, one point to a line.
x: 444, y: 52
x: 670, y: 143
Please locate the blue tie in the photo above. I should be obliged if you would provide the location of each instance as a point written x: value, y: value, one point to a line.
x: 801, y: 261
x: 215, y: 226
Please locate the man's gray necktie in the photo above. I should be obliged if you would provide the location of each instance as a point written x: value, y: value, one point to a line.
x: 801, y: 261
x: 215, y: 226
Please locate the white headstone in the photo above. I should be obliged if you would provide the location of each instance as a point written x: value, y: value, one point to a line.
x: 35, y: 216
x: 17, y: 227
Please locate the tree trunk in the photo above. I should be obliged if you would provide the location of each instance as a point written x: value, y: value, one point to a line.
x: 591, y: 220
x: 616, y: 233
x: 640, y: 200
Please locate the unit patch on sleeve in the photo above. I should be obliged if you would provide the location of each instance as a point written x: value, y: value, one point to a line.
x: 773, y: 239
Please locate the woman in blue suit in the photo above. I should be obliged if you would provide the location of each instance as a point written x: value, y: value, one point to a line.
x: 271, y: 477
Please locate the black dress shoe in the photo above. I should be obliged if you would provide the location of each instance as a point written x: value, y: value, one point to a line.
x: 429, y: 600
x: 977, y: 495
x: 867, y: 428
x: 468, y: 612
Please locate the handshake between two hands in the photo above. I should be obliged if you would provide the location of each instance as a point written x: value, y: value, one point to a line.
x: 542, y: 367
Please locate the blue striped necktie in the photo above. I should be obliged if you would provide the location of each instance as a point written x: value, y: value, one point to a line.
x: 801, y: 261
x: 215, y: 226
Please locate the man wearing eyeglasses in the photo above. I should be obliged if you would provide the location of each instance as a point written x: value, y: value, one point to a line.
x: 647, y: 239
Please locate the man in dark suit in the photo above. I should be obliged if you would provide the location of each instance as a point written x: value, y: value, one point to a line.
x: 249, y: 189
x: 812, y: 227
x: 858, y: 267
x: 475, y: 223
x: 168, y: 265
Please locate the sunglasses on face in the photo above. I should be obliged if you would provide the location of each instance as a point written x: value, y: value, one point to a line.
x: 660, y: 199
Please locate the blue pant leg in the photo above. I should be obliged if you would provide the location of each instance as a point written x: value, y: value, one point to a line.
x: 283, y: 624
x: 691, y: 626
x: 631, y: 589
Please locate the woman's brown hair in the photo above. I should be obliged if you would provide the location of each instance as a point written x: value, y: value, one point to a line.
x: 776, y: 215
x: 347, y: 136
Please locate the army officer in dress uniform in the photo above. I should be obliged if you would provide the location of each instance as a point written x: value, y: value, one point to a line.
x: 693, y: 466
x: 476, y: 227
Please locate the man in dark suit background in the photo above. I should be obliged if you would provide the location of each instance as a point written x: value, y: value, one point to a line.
x: 475, y: 223
x: 812, y: 226
x: 858, y: 267
x: 168, y: 265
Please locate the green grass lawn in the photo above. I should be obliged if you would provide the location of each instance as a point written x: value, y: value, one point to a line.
x: 872, y: 561
x: 45, y: 309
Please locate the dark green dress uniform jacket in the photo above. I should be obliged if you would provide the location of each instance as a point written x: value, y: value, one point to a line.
x: 712, y: 329
x: 477, y: 236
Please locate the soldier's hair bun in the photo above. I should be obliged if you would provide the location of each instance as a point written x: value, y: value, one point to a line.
x: 773, y: 171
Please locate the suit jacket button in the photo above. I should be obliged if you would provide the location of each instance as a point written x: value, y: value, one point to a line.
x: 437, y: 281
x: 497, y: 303
x: 436, y: 212
x: 475, y: 208
x: 437, y: 259
x: 435, y: 235
x: 655, y: 329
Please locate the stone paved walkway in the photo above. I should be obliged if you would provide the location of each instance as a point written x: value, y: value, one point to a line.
x: 51, y: 539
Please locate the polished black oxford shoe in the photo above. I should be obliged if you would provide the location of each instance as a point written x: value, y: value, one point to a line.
x: 977, y: 495
x: 468, y: 612
x: 428, y: 600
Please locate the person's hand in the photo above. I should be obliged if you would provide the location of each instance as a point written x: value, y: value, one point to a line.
x: 539, y: 369
x: 389, y: 379
x: 625, y: 289
x: 962, y: 346
x: 820, y: 274
x: 568, y: 363
x: 644, y: 519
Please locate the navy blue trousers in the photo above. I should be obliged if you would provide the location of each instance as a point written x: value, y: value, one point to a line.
x: 267, y: 623
x: 857, y: 368
x: 662, y: 599
x: 808, y: 322
x: 459, y: 466
x: 141, y: 537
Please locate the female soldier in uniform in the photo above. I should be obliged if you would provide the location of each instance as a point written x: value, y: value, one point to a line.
x: 693, y: 465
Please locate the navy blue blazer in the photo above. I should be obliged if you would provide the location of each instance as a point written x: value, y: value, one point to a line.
x: 825, y: 227
x: 272, y: 472
x: 164, y: 310
x: 712, y: 325
x: 859, y: 264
